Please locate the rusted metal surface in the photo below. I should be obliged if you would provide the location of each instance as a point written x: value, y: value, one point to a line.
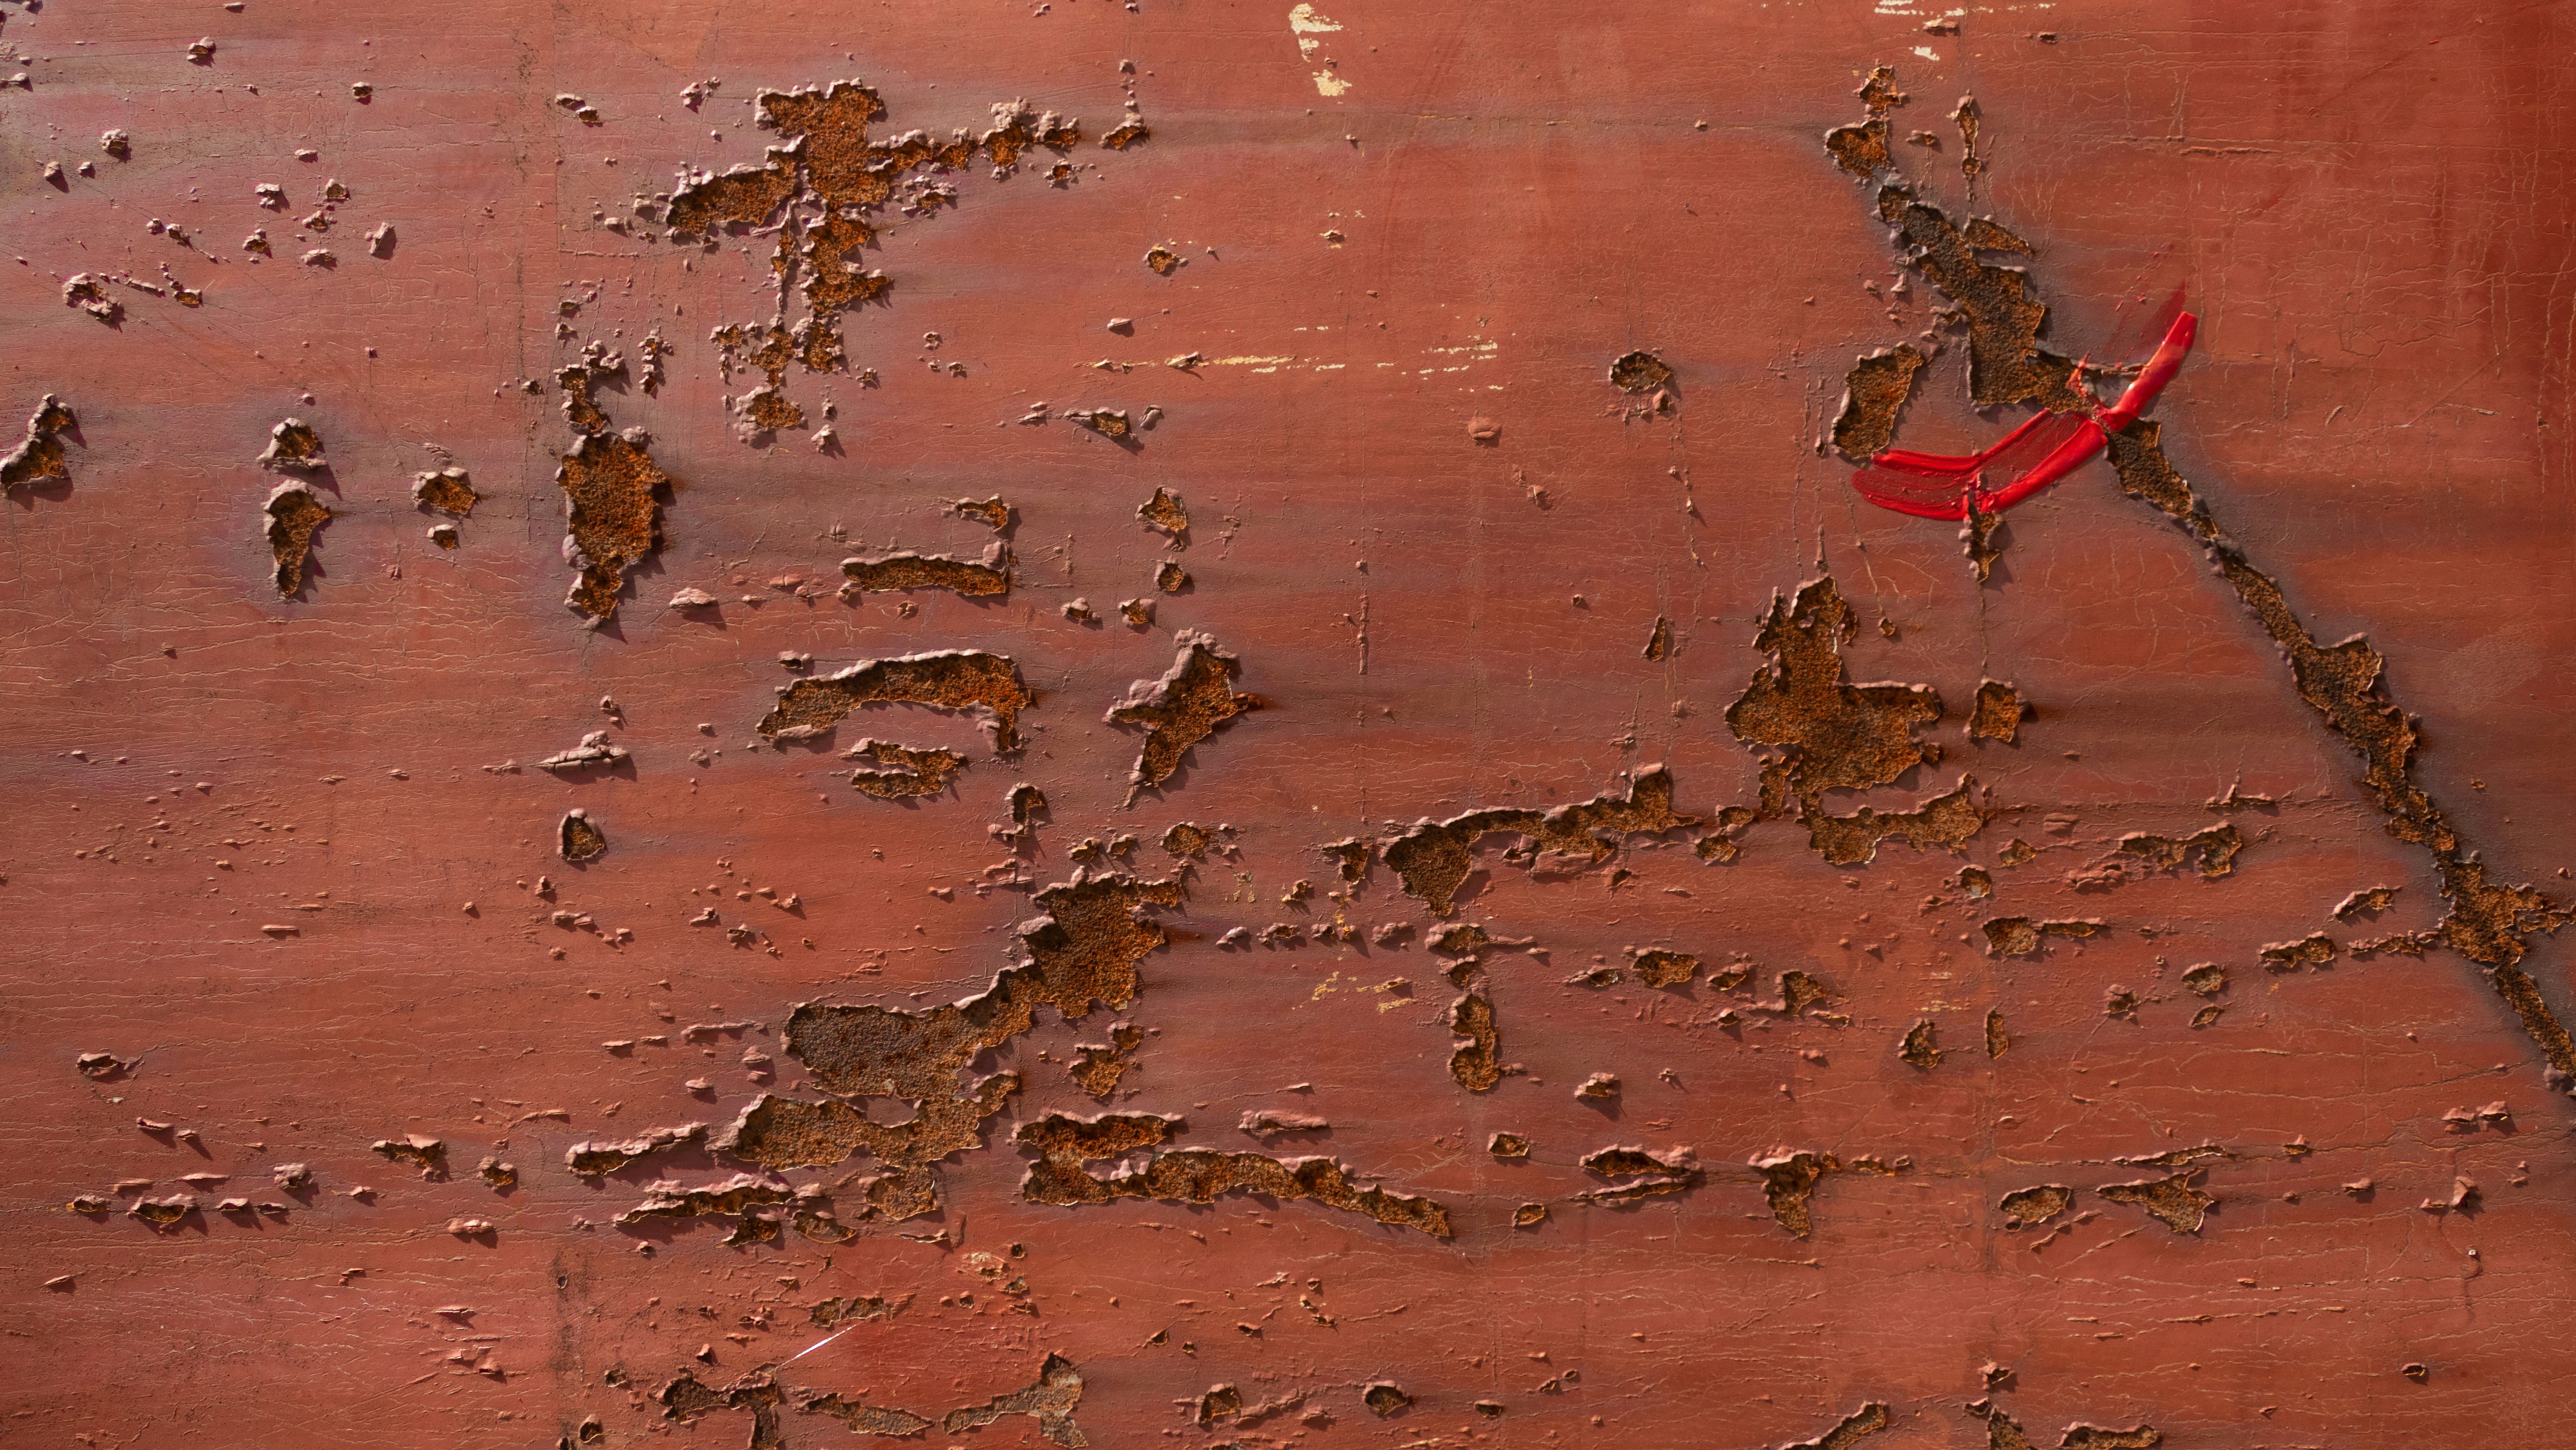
x: 1230, y: 759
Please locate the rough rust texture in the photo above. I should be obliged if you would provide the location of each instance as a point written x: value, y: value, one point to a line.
x: 39, y: 455
x: 900, y: 772
x: 962, y: 680
x: 1193, y: 699
x: 1434, y: 857
x: 1873, y: 394
x: 988, y: 577
x: 612, y: 517
x: 293, y: 514
x: 1427, y: 288
x: 1195, y: 1175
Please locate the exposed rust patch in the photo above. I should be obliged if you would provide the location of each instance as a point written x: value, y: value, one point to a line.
x: 684, y: 1399
x: 819, y: 192
x: 294, y: 447
x: 992, y: 512
x: 1998, y: 1041
x: 1050, y: 1400
x: 1922, y: 1045
x: 1982, y: 536
x: 1164, y: 511
x: 1170, y: 577
x: 1666, y: 969
x: 1188, y: 841
x: 1857, y: 1426
x: 1187, y: 705
x: 1647, y: 1174
x: 1789, y: 1179
x: 1195, y: 1175
x: 1639, y: 372
x: 578, y: 838
x: 866, y: 1419
x: 429, y: 1155
x: 1947, y: 820
x: 1433, y: 858
x: 1163, y: 260
x: 2020, y: 936
x: 967, y: 681
x: 2030, y: 1207
x: 1473, y: 1063
x: 613, y: 515
x: 2173, y: 1201
x: 294, y: 512
x: 1659, y: 640
x: 448, y: 490
x: 2315, y: 950
x: 39, y: 455
x: 2370, y: 901
x: 1508, y: 1145
x: 1084, y: 950
x: 2214, y: 849
x: 1384, y: 1399
x: 1998, y: 714
x: 1100, y: 1066
x: 903, y: 772
x: 984, y: 578
x: 1874, y: 394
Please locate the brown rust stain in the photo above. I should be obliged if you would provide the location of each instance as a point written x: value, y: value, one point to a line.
x: 1432, y: 859
x: 986, y: 578
x: 293, y: 512
x: 613, y: 517
x: 1855, y: 1427
x: 1874, y: 394
x: 2214, y: 849
x: 1948, y: 820
x: 1063, y: 1144
x: 1998, y: 714
x: 2173, y: 1201
x: 448, y: 490
x: 1648, y: 1174
x: 966, y: 681
x: 1666, y: 969
x: 1085, y: 949
x: 1189, y: 703
x: 39, y: 455
x: 1473, y: 1063
x: 1790, y: 1175
x: 2020, y: 936
x: 2030, y: 1207
x: 902, y: 772
x: 578, y: 838
x: 2487, y: 922
x: 820, y: 191
x: 294, y: 447
x: 1164, y: 511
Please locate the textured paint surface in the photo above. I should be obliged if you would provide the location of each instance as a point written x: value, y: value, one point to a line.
x: 1210, y: 790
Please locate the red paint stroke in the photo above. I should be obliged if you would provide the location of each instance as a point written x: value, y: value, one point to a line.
x: 2041, y: 451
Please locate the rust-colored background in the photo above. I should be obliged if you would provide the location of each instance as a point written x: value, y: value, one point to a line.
x: 2364, y: 202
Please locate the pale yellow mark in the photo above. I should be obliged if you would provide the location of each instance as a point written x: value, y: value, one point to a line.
x: 1305, y: 23
x: 1326, y: 986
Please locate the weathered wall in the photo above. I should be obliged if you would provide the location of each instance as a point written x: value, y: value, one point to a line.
x: 291, y: 861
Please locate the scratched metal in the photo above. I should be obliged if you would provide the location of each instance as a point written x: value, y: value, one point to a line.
x: 277, y: 857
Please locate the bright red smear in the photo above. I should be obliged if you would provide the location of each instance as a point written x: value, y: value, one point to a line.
x: 2041, y: 451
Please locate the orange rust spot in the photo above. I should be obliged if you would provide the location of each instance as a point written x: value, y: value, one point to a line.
x: 962, y: 680
x: 613, y: 515
x: 1195, y: 1175
x: 294, y: 513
